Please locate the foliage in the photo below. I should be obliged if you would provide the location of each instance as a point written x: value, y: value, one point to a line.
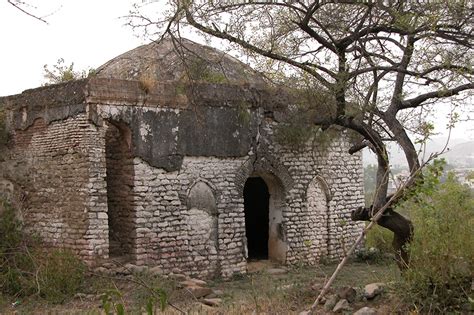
x: 112, y: 302
x: 293, y: 134
x: 146, y: 83
x: 442, y: 252
x: 60, y: 275
x: 28, y: 269
x: 243, y: 113
x: 379, y: 238
x: 61, y: 72
x: 201, y: 70
x: 370, y: 175
x: 324, y: 138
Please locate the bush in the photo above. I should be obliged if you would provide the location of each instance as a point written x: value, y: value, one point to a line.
x: 27, y: 269
x: 380, y: 238
x: 61, y: 275
x: 439, y: 277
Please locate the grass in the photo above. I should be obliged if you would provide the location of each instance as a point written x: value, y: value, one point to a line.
x: 257, y: 292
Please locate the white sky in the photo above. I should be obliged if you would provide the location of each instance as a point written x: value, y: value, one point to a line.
x: 86, y: 32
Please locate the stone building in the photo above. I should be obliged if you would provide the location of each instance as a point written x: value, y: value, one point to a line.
x: 168, y: 157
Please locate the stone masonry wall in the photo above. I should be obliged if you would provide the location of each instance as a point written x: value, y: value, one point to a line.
x: 319, y: 187
x: 60, y: 169
x: 165, y: 236
x: 327, y: 185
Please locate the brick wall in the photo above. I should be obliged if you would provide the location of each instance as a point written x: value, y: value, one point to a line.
x: 63, y: 186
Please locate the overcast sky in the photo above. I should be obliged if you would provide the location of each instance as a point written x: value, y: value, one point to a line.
x: 86, y: 32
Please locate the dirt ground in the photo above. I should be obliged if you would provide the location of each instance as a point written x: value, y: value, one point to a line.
x: 258, y: 292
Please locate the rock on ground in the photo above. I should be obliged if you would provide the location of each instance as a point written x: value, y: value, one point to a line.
x: 212, y: 302
x: 373, y: 289
x: 366, y: 311
x: 331, y: 302
x: 341, y: 306
x: 348, y: 294
x: 198, y: 291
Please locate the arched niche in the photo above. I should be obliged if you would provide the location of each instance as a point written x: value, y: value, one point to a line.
x: 317, y: 201
x: 201, y: 196
x: 202, y: 221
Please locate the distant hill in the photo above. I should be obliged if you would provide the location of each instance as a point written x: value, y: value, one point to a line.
x: 460, y: 153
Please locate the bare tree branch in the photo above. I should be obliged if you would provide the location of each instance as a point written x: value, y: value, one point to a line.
x: 17, y: 5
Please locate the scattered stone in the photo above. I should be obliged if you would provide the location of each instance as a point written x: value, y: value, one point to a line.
x: 156, y: 271
x: 108, y: 265
x: 178, y: 276
x: 129, y: 266
x: 186, y: 283
x: 276, y: 271
x: 216, y: 294
x: 366, y: 311
x: 139, y: 269
x: 198, y: 282
x: 101, y: 270
x: 304, y: 313
x: 192, y: 282
x: 212, y: 301
x: 198, y: 292
x: 373, y: 289
x: 341, y: 306
x: 348, y: 294
x: 331, y: 302
x: 123, y: 271
x: 80, y: 296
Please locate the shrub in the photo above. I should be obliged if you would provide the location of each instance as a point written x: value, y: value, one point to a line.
x: 439, y: 277
x: 60, y: 276
x: 379, y: 238
x: 28, y: 269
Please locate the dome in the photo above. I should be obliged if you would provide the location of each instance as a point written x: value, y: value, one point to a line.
x: 180, y: 61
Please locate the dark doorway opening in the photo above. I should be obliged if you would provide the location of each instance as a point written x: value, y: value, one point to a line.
x: 256, y: 203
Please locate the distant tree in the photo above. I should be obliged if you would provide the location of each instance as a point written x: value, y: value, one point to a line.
x: 61, y: 72
x: 370, y: 176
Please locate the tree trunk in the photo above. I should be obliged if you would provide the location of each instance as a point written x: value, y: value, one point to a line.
x: 401, y: 227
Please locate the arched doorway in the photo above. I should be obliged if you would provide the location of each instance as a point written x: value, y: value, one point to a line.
x: 256, y: 202
x: 264, y: 201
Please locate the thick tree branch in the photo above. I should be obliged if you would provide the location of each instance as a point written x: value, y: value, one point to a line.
x: 417, y: 101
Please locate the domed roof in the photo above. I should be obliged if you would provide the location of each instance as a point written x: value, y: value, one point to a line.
x: 182, y: 60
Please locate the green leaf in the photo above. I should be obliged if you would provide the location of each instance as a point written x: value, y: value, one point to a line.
x: 149, y: 306
x: 120, y: 309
